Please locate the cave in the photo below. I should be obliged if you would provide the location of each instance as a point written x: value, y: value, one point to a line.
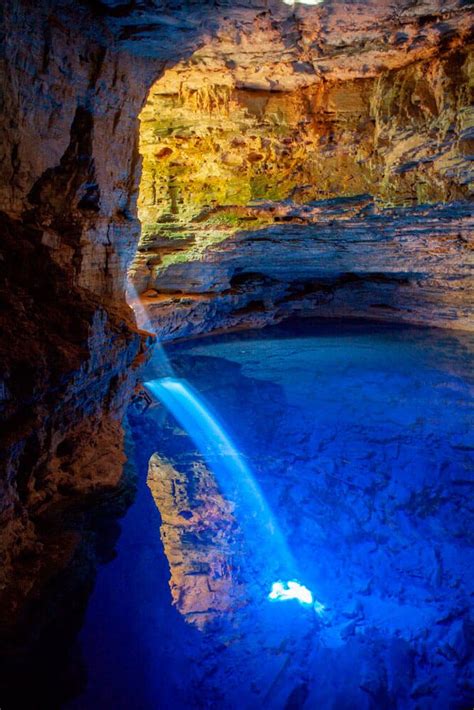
x: 237, y: 349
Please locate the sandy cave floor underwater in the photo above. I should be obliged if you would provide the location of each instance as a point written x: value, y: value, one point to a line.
x: 359, y: 437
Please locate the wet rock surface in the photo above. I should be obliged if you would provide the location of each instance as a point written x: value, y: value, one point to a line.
x: 331, y: 258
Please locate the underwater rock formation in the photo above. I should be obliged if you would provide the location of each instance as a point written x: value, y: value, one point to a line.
x: 200, y: 538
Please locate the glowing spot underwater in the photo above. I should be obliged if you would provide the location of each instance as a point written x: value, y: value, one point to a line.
x: 285, y: 591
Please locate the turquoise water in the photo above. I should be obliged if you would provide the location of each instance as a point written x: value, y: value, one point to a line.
x: 358, y: 437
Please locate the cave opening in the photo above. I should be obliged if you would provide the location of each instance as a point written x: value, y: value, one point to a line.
x: 257, y: 207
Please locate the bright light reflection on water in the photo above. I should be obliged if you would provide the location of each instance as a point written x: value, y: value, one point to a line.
x: 303, y: 2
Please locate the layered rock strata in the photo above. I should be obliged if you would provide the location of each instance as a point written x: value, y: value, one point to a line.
x: 337, y: 258
x: 221, y: 138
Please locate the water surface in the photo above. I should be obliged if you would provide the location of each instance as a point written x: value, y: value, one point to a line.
x: 359, y: 438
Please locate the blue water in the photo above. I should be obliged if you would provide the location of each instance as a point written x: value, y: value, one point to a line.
x: 359, y: 438
x: 229, y: 469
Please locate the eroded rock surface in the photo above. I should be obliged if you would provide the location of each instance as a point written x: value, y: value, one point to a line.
x: 336, y: 258
x: 403, y: 135
x: 355, y: 106
x: 201, y: 540
x: 70, y: 346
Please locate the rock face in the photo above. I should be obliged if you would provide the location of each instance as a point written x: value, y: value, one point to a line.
x: 200, y: 539
x: 70, y: 343
x: 335, y: 258
x: 403, y: 136
x: 75, y: 76
x: 221, y: 137
x: 62, y: 402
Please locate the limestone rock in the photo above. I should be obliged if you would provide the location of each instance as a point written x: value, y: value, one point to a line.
x: 200, y: 537
x: 341, y: 259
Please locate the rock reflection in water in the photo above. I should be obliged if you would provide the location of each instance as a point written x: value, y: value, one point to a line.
x: 200, y: 538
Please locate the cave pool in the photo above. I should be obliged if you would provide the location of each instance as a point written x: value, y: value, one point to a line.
x: 359, y: 437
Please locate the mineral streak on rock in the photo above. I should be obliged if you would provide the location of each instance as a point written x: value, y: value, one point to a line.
x: 201, y: 540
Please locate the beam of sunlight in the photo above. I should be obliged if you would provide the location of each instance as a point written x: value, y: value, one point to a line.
x: 159, y: 361
x: 141, y: 316
x: 232, y: 474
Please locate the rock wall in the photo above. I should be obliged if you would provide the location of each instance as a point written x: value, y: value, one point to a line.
x: 404, y: 136
x: 339, y: 258
x: 70, y: 344
x: 232, y: 150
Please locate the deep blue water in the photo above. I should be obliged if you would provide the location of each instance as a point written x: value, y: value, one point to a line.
x: 360, y: 438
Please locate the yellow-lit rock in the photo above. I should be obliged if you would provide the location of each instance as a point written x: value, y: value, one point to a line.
x: 401, y: 136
